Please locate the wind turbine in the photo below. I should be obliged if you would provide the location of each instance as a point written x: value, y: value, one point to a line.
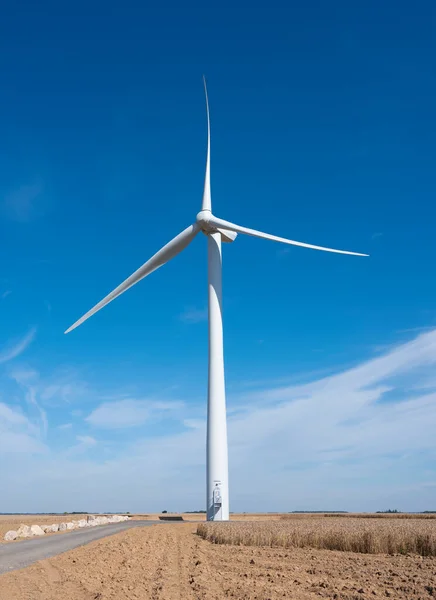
x: 216, y: 230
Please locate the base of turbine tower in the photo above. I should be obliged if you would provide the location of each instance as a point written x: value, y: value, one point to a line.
x: 216, y: 511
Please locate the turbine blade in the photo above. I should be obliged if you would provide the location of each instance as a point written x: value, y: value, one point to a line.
x: 220, y: 223
x: 161, y: 257
x: 207, y: 201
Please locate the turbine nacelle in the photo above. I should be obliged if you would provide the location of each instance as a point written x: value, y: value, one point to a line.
x: 205, y: 220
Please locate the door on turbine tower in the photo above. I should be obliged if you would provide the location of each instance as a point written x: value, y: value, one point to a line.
x: 217, y: 499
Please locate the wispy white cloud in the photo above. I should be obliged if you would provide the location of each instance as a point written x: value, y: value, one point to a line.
x: 22, y: 204
x: 42, y: 394
x: 86, y: 440
x: 359, y: 439
x: 65, y: 426
x: 24, y: 375
x: 13, y: 417
x: 31, y: 399
x: 376, y: 235
x: 415, y: 330
x: 5, y: 294
x: 14, y: 349
x: 84, y: 443
x: 60, y: 392
x: 28, y: 379
x: 194, y: 315
x: 347, y: 440
x: 20, y: 443
x: 64, y: 386
x: 17, y: 433
x: 116, y: 415
x: 128, y: 413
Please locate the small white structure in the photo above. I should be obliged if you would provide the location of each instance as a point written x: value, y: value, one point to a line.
x: 217, y: 230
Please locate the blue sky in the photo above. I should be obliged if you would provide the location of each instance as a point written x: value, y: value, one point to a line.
x: 323, y: 129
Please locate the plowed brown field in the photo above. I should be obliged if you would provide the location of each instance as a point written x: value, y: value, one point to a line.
x: 169, y: 562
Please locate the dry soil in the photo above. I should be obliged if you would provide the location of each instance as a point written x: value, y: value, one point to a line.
x: 169, y: 561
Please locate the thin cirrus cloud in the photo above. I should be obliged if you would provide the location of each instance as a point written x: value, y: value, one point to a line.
x: 28, y: 380
x: 86, y: 440
x: 354, y: 440
x: 128, y: 413
x: 17, y: 348
x: 360, y: 439
x: 18, y: 435
x: 13, y: 417
x: 31, y: 397
x: 83, y: 444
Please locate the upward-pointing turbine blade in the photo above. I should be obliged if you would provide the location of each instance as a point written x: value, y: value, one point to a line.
x: 207, y: 201
x: 161, y: 257
x: 220, y: 223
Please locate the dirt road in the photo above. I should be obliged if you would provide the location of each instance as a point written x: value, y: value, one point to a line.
x: 170, y: 562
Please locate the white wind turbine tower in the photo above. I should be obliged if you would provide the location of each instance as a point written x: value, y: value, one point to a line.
x: 217, y: 230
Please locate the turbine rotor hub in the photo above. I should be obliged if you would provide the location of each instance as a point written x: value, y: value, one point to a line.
x: 203, y: 219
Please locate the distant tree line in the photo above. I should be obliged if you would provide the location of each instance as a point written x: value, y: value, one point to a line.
x: 315, y: 512
x: 195, y: 512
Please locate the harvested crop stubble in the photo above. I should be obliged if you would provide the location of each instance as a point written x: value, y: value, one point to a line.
x: 390, y: 536
x: 375, y: 516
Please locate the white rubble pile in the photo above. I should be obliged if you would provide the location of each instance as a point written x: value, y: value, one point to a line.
x: 36, y: 530
x: 26, y: 531
x: 81, y: 523
x: 51, y: 528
